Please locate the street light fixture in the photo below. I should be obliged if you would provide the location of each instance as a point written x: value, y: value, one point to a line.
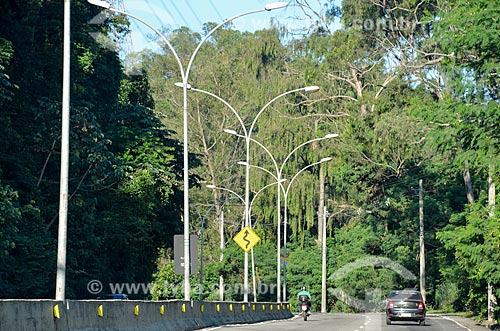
x: 100, y: 3
x: 312, y: 89
x: 247, y: 136
x: 185, y: 78
x: 278, y: 176
x: 285, y: 221
x: 211, y: 186
x: 275, y: 5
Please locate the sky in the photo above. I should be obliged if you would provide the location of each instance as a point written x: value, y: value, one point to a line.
x: 194, y: 13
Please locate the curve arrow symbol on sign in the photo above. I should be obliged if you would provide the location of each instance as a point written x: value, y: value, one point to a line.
x: 245, y: 238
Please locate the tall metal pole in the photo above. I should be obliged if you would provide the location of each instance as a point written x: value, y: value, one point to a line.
x: 278, y: 242
x: 286, y: 191
x: 221, y: 278
x: 63, y: 189
x: 323, y: 264
x: 187, y: 259
x: 201, y: 256
x: 422, y: 243
x: 247, y: 217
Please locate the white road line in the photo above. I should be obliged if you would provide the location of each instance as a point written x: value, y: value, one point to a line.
x: 450, y: 319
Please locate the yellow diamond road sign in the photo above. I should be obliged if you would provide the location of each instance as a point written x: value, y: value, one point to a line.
x: 246, y: 239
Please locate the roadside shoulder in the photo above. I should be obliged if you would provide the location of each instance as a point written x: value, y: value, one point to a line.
x: 465, y: 322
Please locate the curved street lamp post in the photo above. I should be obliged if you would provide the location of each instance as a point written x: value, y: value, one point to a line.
x: 185, y: 78
x: 285, y: 193
x: 278, y: 177
x: 250, y: 208
x: 285, y: 221
x: 248, y: 139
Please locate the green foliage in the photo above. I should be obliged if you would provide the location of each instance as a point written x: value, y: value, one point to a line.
x: 9, y: 217
x: 123, y: 172
x: 475, y: 243
x: 409, y: 103
x: 470, y: 32
x: 166, y: 284
x: 447, y: 294
x: 6, y: 87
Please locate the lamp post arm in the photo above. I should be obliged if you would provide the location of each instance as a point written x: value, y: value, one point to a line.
x: 270, y: 173
x: 270, y: 155
x: 302, y: 170
x: 228, y: 190
x: 161, y: 35
x: 263, y: 147
x: 240, y: 120
x: 269, y: 103
x: 212, y: 31
x: 261, y: 168
x: 262, y: 189
x: 303, y: 144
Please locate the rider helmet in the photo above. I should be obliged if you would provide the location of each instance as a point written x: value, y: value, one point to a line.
x: 303, y: 288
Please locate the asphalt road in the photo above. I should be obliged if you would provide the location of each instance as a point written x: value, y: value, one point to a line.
x: 355, y: 322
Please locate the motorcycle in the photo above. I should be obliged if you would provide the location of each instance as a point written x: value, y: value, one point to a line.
x: 304, y: 308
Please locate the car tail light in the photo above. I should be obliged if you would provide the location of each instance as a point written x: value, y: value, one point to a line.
x: 390, y: 305
x: 421, y: 306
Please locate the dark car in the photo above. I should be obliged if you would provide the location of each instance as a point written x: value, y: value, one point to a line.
x: 405, y: 305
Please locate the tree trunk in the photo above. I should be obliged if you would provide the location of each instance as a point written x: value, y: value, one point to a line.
x: 491, y: 191
x: 468, y: 183
x: 492, y: 300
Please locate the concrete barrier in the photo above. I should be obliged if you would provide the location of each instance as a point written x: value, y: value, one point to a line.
x: 132, y: 315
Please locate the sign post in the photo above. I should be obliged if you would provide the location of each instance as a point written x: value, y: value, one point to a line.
x: 179, y: 254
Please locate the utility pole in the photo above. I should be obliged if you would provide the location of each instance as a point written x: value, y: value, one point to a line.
x: 422, y: 243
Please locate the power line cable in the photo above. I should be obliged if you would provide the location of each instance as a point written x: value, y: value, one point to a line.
x: 193, y: 12
x: 154, y: 12
x: 179, y: 13
x: 217, y: 11
x: 166, y: 9
x: 135, y: 25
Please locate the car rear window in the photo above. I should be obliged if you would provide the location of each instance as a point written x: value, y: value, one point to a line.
x: 405, y: 295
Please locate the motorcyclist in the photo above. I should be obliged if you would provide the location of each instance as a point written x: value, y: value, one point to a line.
x: 304, y: 295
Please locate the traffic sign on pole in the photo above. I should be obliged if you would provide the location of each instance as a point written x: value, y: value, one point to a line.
x: 246, y: 239
x: 285, y: 260
x: 179, y: 254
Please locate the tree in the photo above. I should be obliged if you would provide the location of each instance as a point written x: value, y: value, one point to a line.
x: 124, y: 169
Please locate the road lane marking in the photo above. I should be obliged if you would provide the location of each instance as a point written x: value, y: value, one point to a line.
x: 457, y: 323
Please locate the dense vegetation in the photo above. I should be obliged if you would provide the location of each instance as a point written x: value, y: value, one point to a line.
x: 412, y: 90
